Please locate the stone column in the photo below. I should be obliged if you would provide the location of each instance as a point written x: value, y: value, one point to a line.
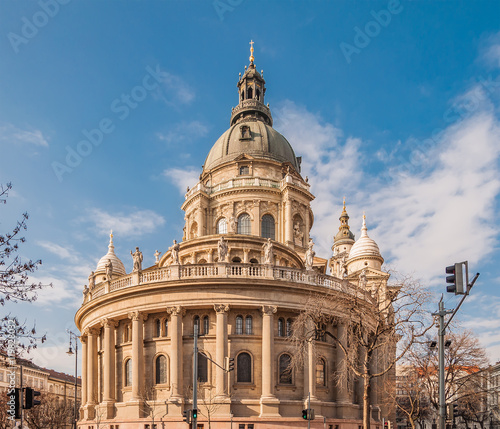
x: 137, y: 354
x: 83, y: 339
x: 221, y: 348
x: 108, y: 364
x: 176, y: 314
x: 269, y: 404
x: 307, y: 227
x: 311, y: 369
x: 256, y: 218
x: 343, y: 393
x: 92, y: 366
x: 288, y: 222
x: 200, y: 220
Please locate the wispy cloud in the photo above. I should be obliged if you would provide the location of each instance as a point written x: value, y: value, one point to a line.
x: 185, y: 132
x: 174, y: 89
x: 134, y: 223
x: 182, y: 177
x: 10, y: 133
x: 63, y: 252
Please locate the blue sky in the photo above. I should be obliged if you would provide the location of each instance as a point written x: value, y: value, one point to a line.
x: 394, y: 105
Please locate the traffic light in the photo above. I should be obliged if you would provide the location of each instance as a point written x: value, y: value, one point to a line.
x: 29, y: 398
x: 304, y: 414
x: 13, y: 403
x: 308, y: 414
x: 230, y: 364
x: 186, y: 416
x: 387, y: 424
x: 195, y: 413
x: 456, y: 413
x: 456, y: 279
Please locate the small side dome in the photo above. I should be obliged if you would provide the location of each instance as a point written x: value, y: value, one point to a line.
x: 364, y: 246
x: 118, y: 267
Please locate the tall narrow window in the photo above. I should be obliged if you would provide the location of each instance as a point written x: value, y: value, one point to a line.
x: 244, y: 224
x: 196, y: 322
x: 289, y: 327
x: 320, y: 372
x: 285, y: 371
x: 244, y: 368
x: 248, y: 325
x: 128, y: 372
x: 157, y: 327
x: 202, y: 368
x: 249, y: 93
x: 239, y: 325
x: 267, y: 227
x: 222, y: 226
x: 165, y: 328
x: 281, y: 332
x: 206, y: 325
x: 161, y: 370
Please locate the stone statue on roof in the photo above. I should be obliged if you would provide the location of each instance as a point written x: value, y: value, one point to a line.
x: 268, y: 252
x: 137, y: 257
x: 222, y: 249
x: 310, y: 255
x: 174, y: 250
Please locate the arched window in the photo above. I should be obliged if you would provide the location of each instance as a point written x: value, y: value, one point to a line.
x: 289, y: 327
x: 165, y: 328
x: 257, y: 94
x: 254, y: 261
x: 206, y: 325
x: 248, y: 325
x: 157, y: 328
x: 249, y: 93
x: 267, y: 227
x: 239, y: 325
x: 281, y: 327
x: 320, y: 372
x: 196, y: 322
x: 285, y: 371
x: 202, y: 368
x: 161, y: 369
x: 244, y: 224
x: 236, y: 259
x: 128, y: 372
x: 244, y: 368
x: 222, y: 226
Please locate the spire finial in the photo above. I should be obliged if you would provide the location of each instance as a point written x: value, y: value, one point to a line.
x: 110, y: 246
x: 251, y: 51
x: 344, y: 203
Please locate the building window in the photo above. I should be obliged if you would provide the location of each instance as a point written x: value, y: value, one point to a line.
x: 244, y: 368
x: 267, y: 227
x: 244, y: 224
x: 281, y: 327
x: 222, y: 226
x: 244, y: 169
x: 206, y: 325
x: 289, y: 327
x: 157, y: 328
x: 248, y: 325
x: 285, y: 370
x: 128, y: 372
x: 202, y: 368
x: 165, y: 326
x: 161, y: 369
x: 239, y: 325
x: 320, y: 372
x: 126, y: 333
x: 196, y: 322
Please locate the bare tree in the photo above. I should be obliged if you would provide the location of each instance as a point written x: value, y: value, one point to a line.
x: 379, y: 325
x: 208, y: 402
x: 5, y: 422
x: 14, y: 280
x: 152, y: 408
x: 52, y: 413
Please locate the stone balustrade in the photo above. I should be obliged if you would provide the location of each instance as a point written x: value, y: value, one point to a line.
x: 228, y: 270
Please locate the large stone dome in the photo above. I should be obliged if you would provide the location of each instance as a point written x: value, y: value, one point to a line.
x: 259, y: 140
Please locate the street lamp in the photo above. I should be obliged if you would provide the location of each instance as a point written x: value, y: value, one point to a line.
x: 73, y: 339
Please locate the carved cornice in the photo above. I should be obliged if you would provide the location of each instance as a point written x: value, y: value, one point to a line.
x: 221, y: 308
x: 176, y: 310
x: 269, y: 310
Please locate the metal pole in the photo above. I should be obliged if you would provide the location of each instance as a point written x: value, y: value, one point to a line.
x: 21, y: 394
x: 442, y: 403
x: 76, y: 377
x: 195, y: 374
x: 309, y: 411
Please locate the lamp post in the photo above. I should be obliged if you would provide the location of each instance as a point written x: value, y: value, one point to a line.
x: 73, y: 339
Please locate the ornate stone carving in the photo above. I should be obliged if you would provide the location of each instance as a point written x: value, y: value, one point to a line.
x: 310, y: 255
x: 269, y: 309
x: 222, y: 249
x: 298, y: 235
x: 233, y: 225
x: 176, y: 310
x: 109, y: 323
x: 137, y: 258
x: 91, y: 281
x: 268, y: 252
x: 157, y: 257
x: 137, y: 315
x: 362, y: 278
x: 109, y: 270
x: 221, y: 308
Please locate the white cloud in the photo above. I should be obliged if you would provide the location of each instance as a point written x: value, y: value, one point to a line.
x: 10, y: 133
x: 56, y: 249
x: 184, y: 132
x: 182, y: 177
x: 135, y: 223
x: 174, y: 89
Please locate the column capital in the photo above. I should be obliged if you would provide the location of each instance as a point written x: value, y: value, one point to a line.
x: 109, y: 323
x: 176, y: 310
x: 92, y: 331
x: 137, y: 315
x: 221, y: 308
x: 83, y: 338
x: 269, y: 309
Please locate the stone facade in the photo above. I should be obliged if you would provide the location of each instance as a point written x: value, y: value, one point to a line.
x: 137, y: 329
